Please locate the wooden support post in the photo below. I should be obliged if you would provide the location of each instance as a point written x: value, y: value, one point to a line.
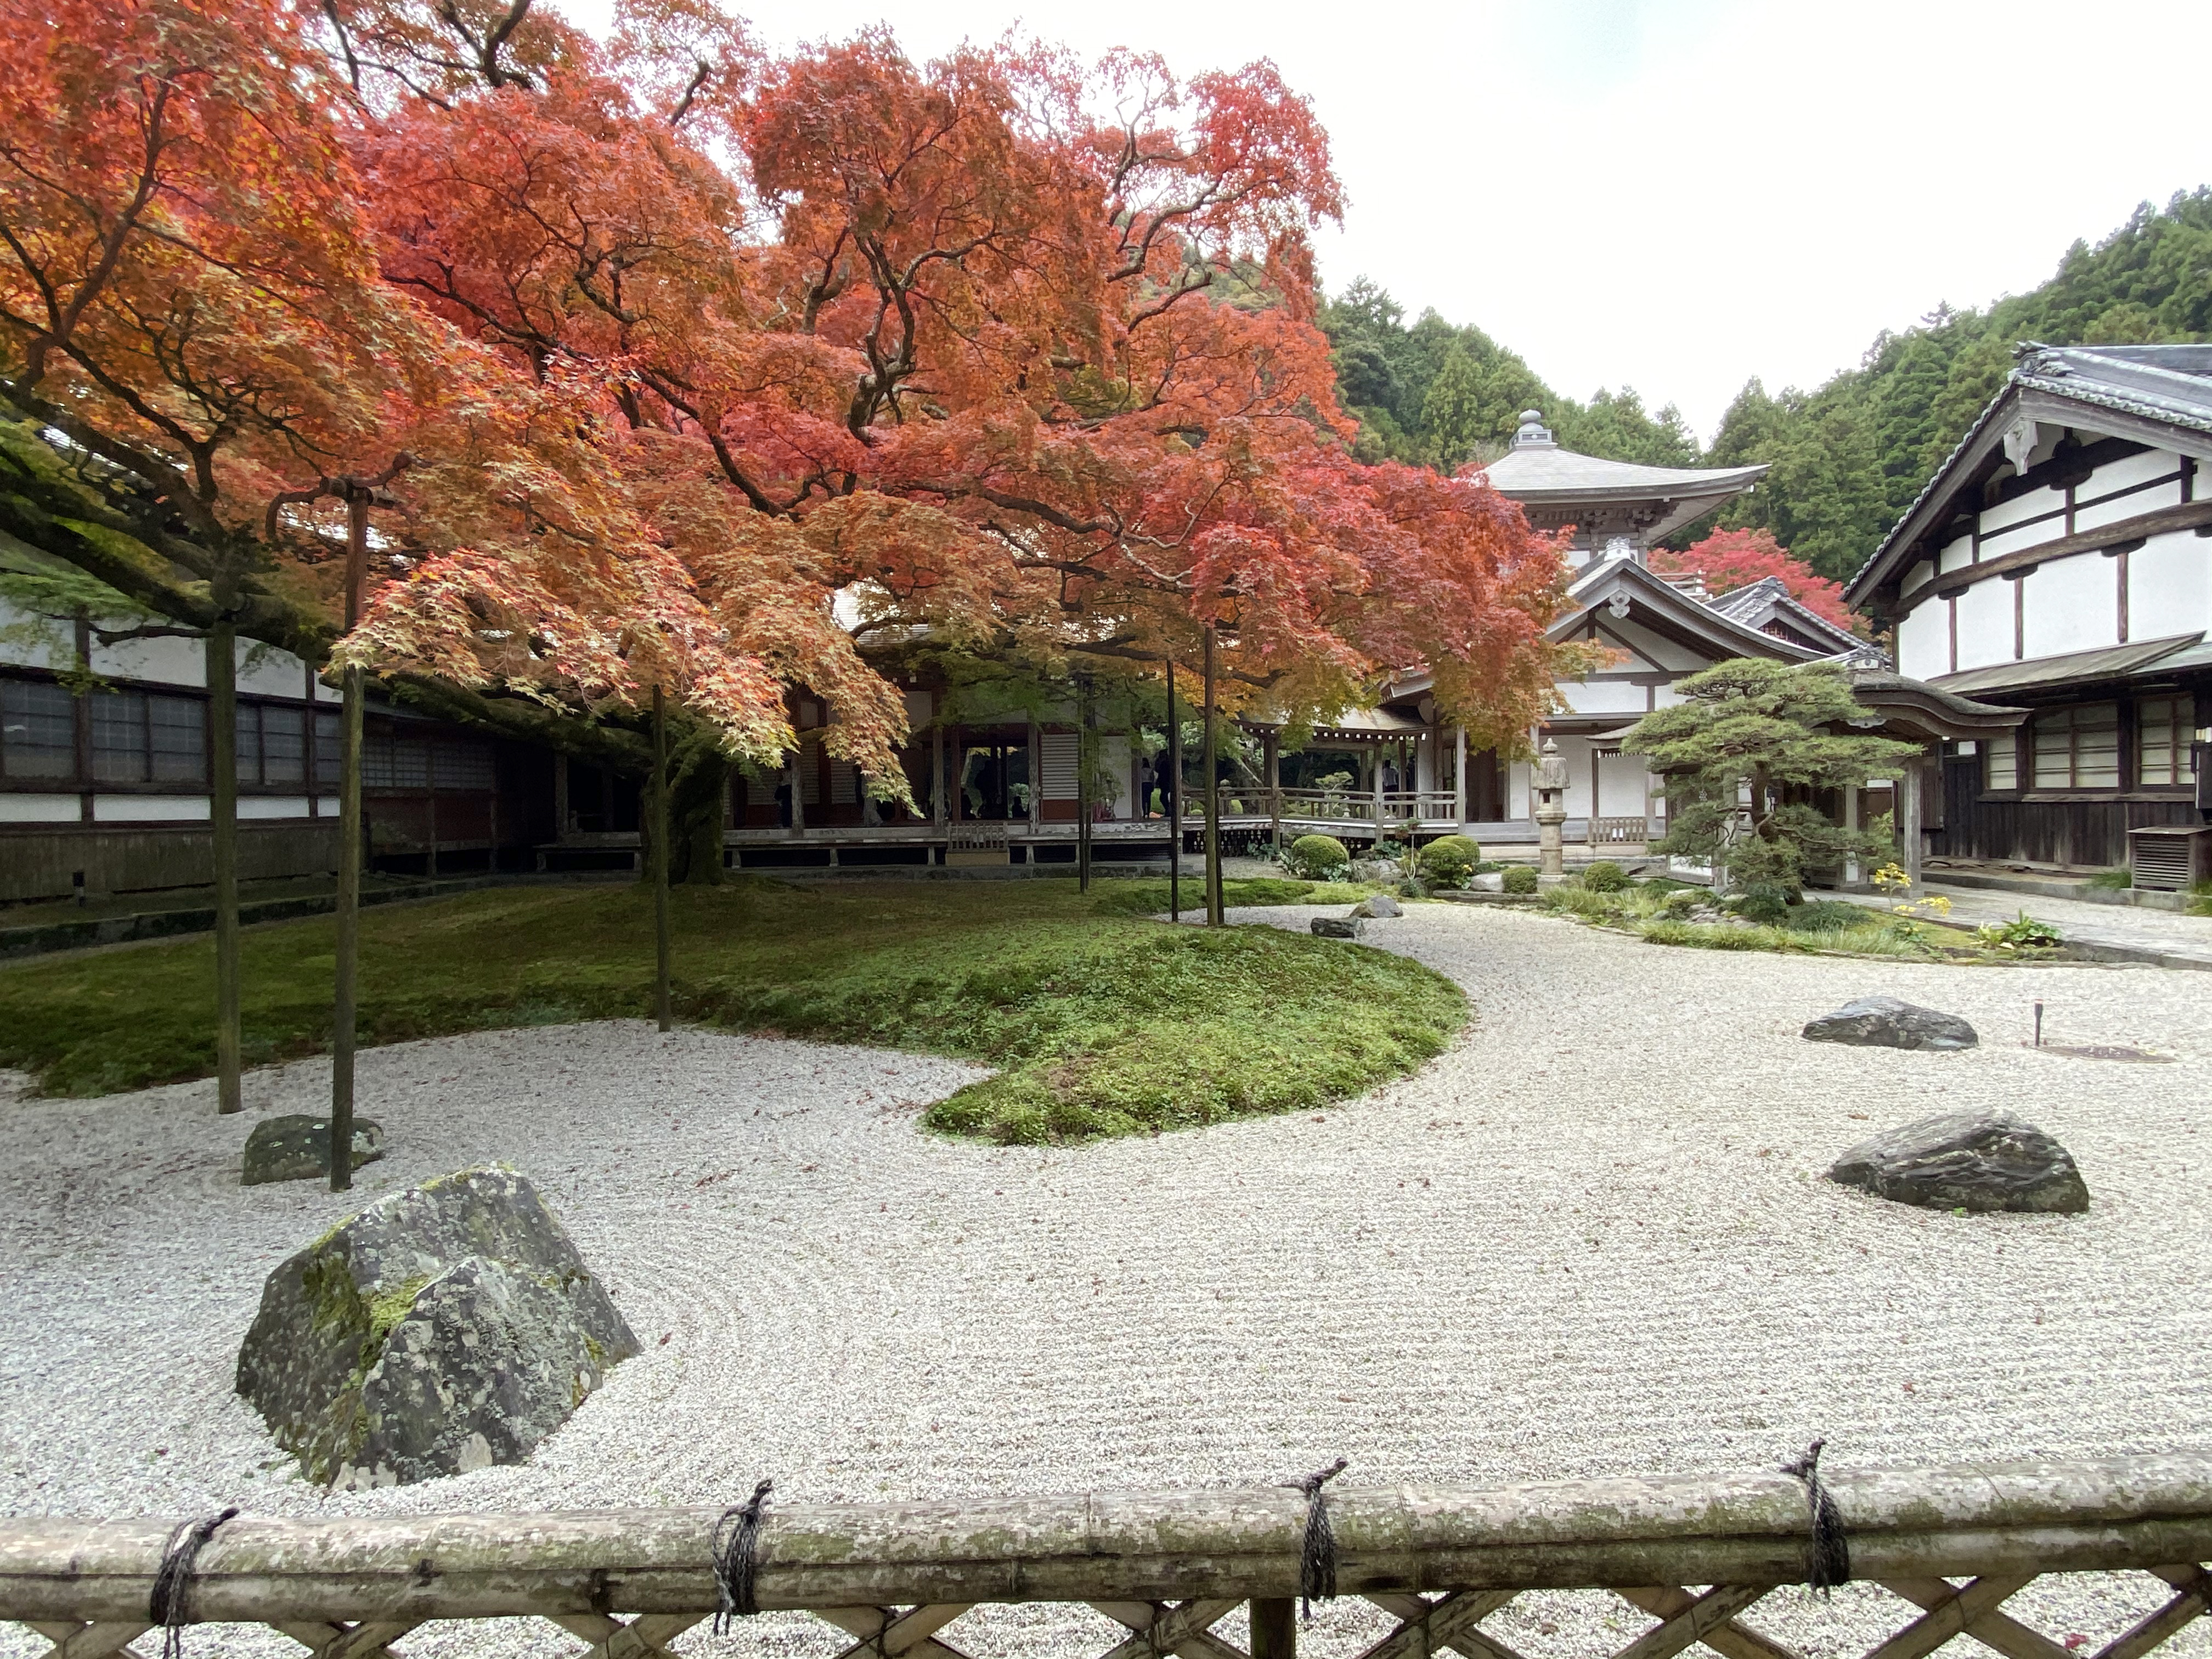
x: 1271, y: 743
x: 223, y: 807
x: 938, y: 809
x: 1377, y: 762
x: 345, y: 998
x: 1274, y: 1627
x: 1082, y: 790
x: 662, y: 1011
x: 1174, y: 803
x: 1458, y: 773
x: 1908, y: 823
x: 1215, y: 915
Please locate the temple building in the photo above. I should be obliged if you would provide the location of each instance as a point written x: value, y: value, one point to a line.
x: 2061, y: 560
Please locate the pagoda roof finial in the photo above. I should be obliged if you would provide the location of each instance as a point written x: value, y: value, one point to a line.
x: 1534, y: 433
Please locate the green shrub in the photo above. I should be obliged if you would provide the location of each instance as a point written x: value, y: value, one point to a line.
x: 1520, y: 878
x: 1485, y: 867
x: 1317, y: 855
x: 1767, y: 905
x: 1677, y: 903
x: 2023, y: 933
x: 1448, y: 860
x: 1606, y: 877
x: 1826, y: 916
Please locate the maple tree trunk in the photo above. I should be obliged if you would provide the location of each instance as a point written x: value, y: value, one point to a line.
x: 1215, y: 915
x: 698, y: 795
x: 345, y: 993
x: 1082, y: 792
x: 1174, y: 803
x: 222, y: 714
x: 660, y: 999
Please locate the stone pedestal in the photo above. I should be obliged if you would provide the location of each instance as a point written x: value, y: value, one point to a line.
x: 1551, y: 810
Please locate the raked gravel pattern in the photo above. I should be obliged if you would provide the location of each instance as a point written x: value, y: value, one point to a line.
x: 1591, y: 1238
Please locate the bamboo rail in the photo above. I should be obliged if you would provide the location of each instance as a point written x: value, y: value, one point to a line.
x: 1169, y: 1564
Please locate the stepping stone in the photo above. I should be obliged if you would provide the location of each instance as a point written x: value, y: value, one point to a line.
x: 1337, y: 928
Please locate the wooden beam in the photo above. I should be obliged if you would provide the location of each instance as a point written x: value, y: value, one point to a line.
x: 2187, y: 516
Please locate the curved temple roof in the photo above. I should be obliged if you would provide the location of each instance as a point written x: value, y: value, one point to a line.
x: 1537, y: 470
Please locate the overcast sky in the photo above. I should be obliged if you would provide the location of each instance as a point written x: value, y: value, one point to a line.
x: 1677, y: 194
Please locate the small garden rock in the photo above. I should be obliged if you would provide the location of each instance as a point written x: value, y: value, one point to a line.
x: 1888, y: 1022
x: 1377, y: 904
x: 1976, y: 1160
x: 297, y: 1147
x: 443, y: 1328
x: 1336, y: 927
x: 1493, y: 881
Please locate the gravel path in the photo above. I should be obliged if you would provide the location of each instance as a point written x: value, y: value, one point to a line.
x: 1589, y: 1239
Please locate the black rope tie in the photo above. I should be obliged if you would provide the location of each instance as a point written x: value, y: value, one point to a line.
x: 168, y: 1605
x: 1827, y: 1552
x: 735, y: 1542
x: 1317, y: 1551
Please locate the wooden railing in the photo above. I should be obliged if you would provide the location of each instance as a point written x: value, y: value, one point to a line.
x: 1620, y: 832
x: 1168, y: 1567
x: 1392, y: 807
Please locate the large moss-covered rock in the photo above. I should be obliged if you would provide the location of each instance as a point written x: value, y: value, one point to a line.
x: 297, y: 1147
x: 441, y: 1330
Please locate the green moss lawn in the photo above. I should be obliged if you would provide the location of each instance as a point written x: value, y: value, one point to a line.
x: 1102, y: 1020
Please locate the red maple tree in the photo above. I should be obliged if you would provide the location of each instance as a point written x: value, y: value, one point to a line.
x: 1729, y: 559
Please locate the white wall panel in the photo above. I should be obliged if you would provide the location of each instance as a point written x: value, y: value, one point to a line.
x: 1924, y: 641
x: 1603, y: 696
x: 1957, y: 555
x: 1520, y: 796
x: 2019, y: 539
x: 272, y: 806
x: 2096, y: 515
x: 1621, y: 780
x: 148, y: 809
x: 165, y: 662
x: 270, y: 673
x: 58, y: 654
x: 2170, y: 586
x: 1918, y: 576
x: 1654, y: 648
x: 2034, y: 504
x: 39, y: 809
x: 1985, y: 625
x: 2072, y: 605
x: 2129, y: 470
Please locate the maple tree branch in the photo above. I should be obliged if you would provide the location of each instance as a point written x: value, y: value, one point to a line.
x: 683, y: 104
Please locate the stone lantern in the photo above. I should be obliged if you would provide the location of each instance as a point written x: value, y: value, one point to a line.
x: 1551, y: 810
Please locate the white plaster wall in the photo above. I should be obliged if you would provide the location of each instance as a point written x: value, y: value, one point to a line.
x: 1959, y: 554
x: 39, y: 809
x: 2019, y: 509
x: 1655, y: 649
x: 2131, y: 469
x: 272, y: 806
x: 1984, y: 625
x: 165, y: 662
x: 2018, y: 540
x: 1603, y: 696
x: 2170, y: 586
x: 2072, y: 605
x: 62, y: 655
x: 1918, y: 576
x: 1924, y: 641
x: 1575, y: 751
x: 148, y: 809
x: 2099, y: 515
x: 1666, y: 696
x: 1620, y: 780
x: 271, y: 672
x: 1520, y: 796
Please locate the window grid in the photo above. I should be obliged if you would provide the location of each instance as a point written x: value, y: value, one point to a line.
x: 2078, y: 748
x: 37, y: 736
x: 2001, y: 763
x: 2162, y: 734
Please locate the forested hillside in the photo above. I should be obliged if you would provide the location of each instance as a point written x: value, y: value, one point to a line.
x: 1848, y: 456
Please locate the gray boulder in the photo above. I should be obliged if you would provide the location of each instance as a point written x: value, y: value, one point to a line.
x: 1974, y: 1160
x: 1377, y: 904
x: 1888, y: 1022
x: 297, y: 1147
x: 443, y: 1328
x: 1493, y: 881
x: 1336, y: 927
